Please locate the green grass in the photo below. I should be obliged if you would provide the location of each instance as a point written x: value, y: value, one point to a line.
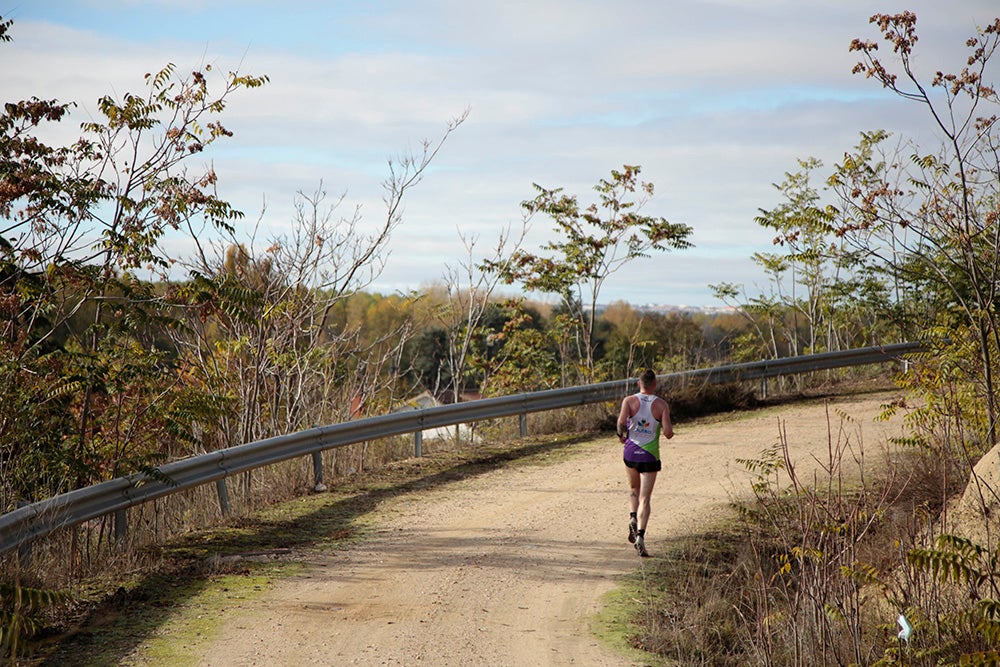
x: 163, y: 616
x: 674, y: 610
x: 616, y: 624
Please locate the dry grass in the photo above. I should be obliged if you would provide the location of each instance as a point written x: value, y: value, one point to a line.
x: 817, y: 574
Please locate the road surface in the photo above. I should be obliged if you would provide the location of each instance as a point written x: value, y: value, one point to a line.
x: 509, y: 567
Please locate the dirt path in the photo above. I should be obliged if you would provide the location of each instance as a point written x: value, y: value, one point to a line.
x: 508, y: 568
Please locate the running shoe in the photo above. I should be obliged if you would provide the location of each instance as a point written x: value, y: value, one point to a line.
x: 640, y: 546
x: 633, y: 529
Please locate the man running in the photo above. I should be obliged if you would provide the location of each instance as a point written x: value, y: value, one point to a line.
x: 644, y: 416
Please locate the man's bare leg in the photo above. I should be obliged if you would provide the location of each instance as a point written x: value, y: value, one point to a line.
x: 645, y: 491
x: 634, y: 486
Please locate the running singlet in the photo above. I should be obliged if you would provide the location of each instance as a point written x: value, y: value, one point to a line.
x: 643, y: 442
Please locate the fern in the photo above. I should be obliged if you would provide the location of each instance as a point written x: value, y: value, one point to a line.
x: 69, y: 387
x: 154, y: 474
x: 769, y: 463
x: 915, y: 442
x: 960, y: 545
x: 944, y: 565
x: 989, y: 623
x: 20, y: 615
x: 982, y: 659
x: 863, y: 574
x: 960, y: 560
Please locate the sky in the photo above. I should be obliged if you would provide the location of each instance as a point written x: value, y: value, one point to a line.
x: 716, y: 101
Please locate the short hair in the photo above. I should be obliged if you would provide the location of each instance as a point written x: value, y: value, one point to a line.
x: 648, y: 378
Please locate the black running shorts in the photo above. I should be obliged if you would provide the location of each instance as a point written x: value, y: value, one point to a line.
x: 645, y: 466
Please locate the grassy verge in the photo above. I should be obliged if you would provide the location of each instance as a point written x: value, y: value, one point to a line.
x: 674, y: 610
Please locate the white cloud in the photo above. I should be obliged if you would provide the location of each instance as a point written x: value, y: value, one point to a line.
x: 716, y: 100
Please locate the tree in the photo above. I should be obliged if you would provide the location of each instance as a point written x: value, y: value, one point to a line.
x: 470, y: 299
x: 630, y: 342
x: 520, y: 356
x: 933, y: 217
x: 429, y: 359
x: 79, y: 328
x: 265, y: 325
x: 638, y: 340
x: 823, y: 294
x: 592, y: 243
x: 764, y: 314
x: 802, y: 225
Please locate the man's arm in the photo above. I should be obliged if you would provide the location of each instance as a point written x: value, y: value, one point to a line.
x: 623, y: 417
x: 667, y: 426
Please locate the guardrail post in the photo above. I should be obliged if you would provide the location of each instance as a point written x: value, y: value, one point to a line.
x: 523, y: 424
x: 24, y: 550
x: 763, y: 389
x: 223, y: 492
x: 319, y: 486
x: 121, y: 526
x: 418, y: 443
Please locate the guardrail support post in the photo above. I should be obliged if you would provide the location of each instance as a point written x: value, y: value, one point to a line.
x: 121, y: 525
x: 319, y: 486
x: 223, y: 492
x: 522, y: 420
x: 763, y: 389
x: 418, y: 443
x: 24, y: 550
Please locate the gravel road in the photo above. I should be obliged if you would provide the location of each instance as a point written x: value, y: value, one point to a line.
x: 508, y: 568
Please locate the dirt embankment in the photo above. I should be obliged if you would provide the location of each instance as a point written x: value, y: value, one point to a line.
x: 509, y: 567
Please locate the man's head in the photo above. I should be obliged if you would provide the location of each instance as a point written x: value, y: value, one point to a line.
x: 648, y: 380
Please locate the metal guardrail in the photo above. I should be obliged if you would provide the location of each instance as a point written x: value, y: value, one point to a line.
x: 34, y: 521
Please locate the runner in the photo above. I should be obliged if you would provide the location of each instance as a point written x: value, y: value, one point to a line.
x: 644, y: 416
